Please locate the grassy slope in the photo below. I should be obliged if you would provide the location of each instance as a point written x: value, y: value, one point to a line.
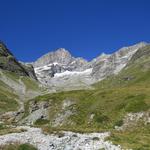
x: 31, y: 84
x: 7, y: 97
x: 109, y: 102
x: 136, y: 138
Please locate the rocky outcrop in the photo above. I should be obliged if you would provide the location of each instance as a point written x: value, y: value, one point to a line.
x: 65, y: 112
x: 30, y: 70
x: 132, y: 120
x: 36, y: 111
x: 9, y: 62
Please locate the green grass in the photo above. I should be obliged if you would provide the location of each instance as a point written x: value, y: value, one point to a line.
x: 7, y: 98
x: 12, y: 76
x: 30, y: 84
x: 7, y: 104
x: 18, y: 147
x: 7, y: 129
x: 108, y: 106
x: 136, y: 138
x: 41, y: 122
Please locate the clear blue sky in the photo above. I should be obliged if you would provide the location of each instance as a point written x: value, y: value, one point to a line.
x: 31, y: 28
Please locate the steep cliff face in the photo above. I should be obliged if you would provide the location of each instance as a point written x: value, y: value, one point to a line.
x: 9, y: 62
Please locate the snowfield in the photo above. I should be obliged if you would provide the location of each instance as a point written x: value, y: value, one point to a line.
x: 71, y: 73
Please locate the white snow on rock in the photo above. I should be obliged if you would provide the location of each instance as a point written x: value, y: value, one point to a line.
x: 70, y: 140
x: 71, y: 73
x: 46, y: 67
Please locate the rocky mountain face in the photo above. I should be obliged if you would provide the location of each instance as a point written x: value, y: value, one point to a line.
x: 60, y: 57
x: 59, y: 69
x: 9, y: 62
x: 106, y: 65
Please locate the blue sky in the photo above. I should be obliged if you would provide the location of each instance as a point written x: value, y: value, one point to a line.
x: 31, y: 28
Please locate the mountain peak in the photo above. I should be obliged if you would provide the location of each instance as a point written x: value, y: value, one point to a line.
x: 62, y: 50
x: 3, y: 50
x: 140, y: 44
x: 60, y: 55
x: 103, y: 55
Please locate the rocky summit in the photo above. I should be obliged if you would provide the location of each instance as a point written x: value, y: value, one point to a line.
x: 60, y: 102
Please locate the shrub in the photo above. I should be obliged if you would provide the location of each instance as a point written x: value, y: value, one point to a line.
x: 26, y: 147
x: 119, y: 123
x: 101, y: 118
x: 41, y: 122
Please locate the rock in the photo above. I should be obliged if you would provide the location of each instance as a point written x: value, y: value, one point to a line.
x: 30, y: 70
x: 128, y: 78
x: 107, y: 65
x: 132, y: 119
x: 65, y: 112
x: 37, y: 110
x: 34, y: 136
x: 9, y: 62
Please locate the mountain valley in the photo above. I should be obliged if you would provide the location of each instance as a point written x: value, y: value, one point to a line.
x: 70, y: 103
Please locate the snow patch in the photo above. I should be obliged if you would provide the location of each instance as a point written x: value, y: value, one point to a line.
x: 71, y: 73
x: 46, y: 67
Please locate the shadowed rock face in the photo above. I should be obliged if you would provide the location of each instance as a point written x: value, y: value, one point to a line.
x: 9, y: 62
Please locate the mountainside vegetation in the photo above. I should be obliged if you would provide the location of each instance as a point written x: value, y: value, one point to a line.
x: 7, y: 98
x: 15, y: 89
